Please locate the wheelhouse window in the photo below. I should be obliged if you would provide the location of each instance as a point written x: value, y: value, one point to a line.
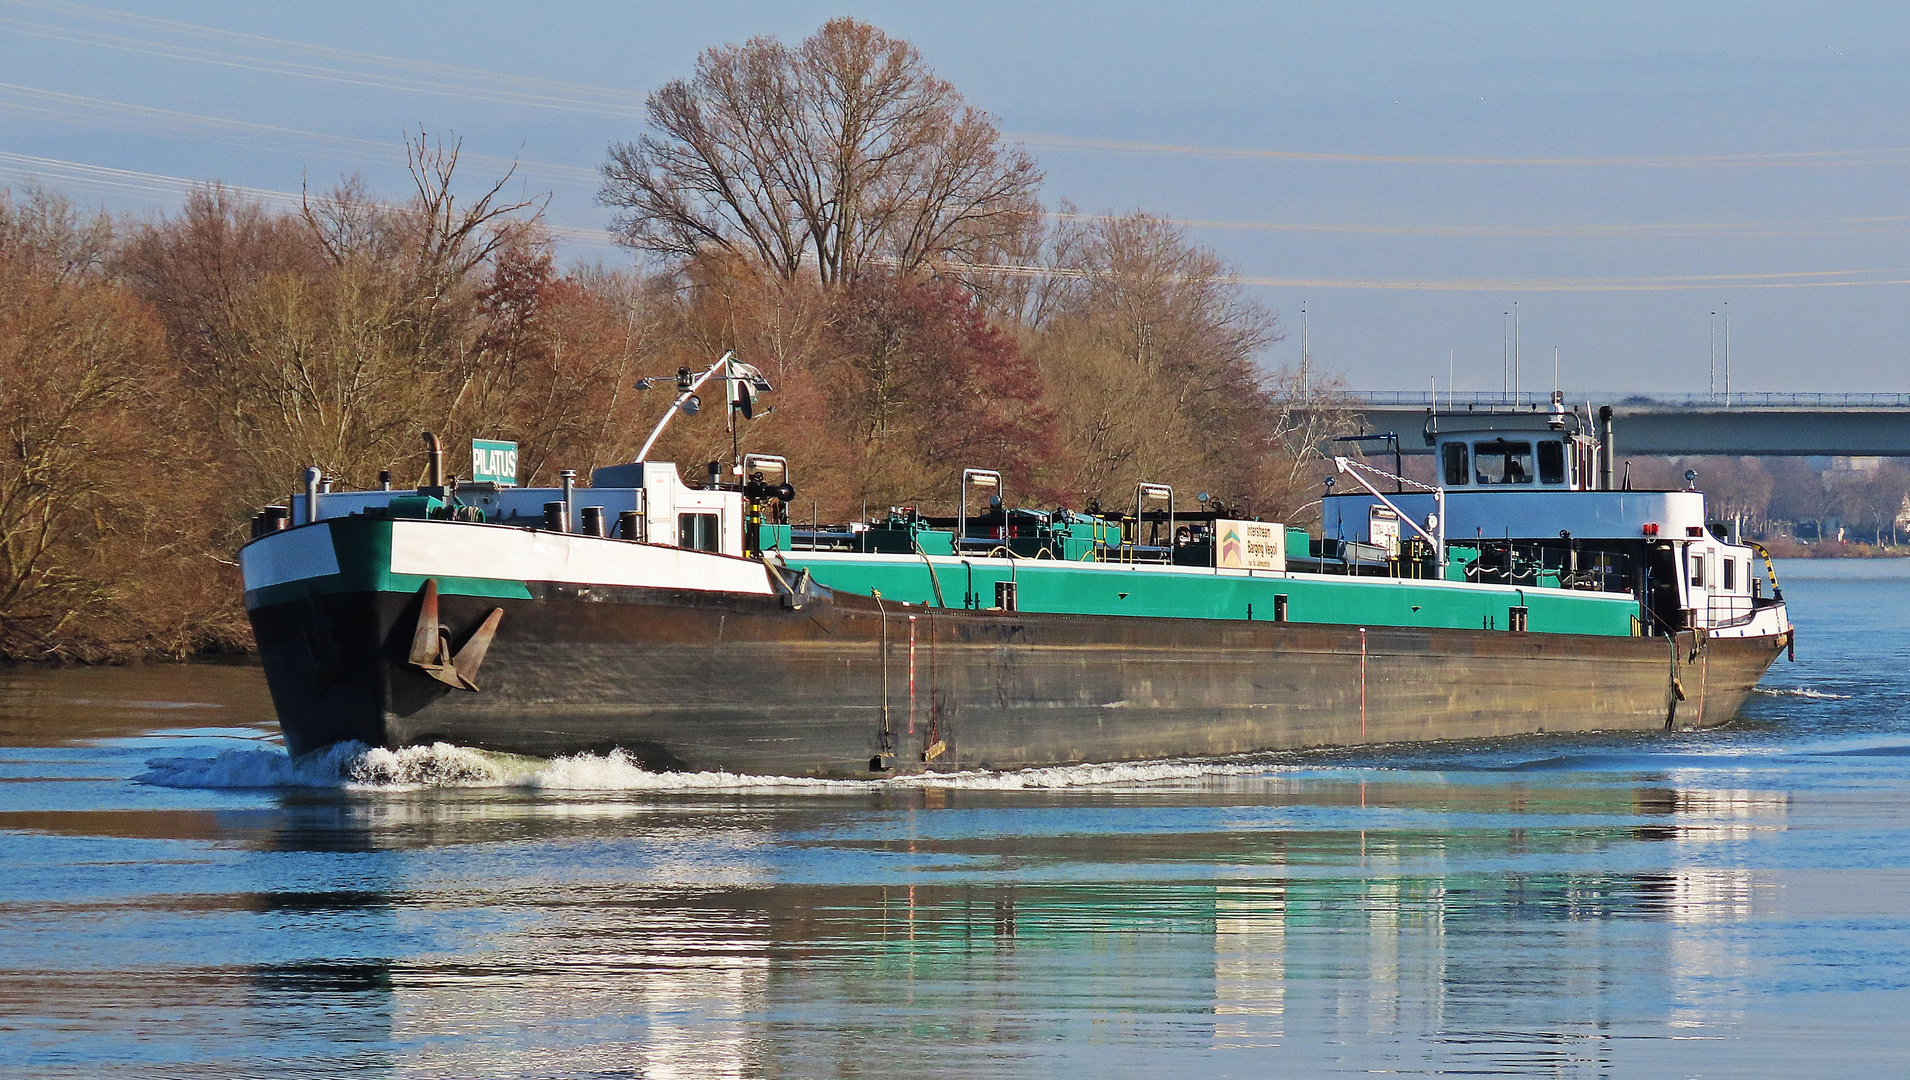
x: 698, y: 532
x: 1454, y: 456
x: 1551, y: 463
x: 1502, y: 462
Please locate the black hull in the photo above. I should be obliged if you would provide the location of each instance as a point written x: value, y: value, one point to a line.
x: 740, y: 683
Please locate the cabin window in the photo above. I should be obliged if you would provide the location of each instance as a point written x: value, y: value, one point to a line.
x: 1730, y: 575
x: 1697, y: 570
x: 697, y: 532
x: 1502, y: 462
x: 1454, y: 454
x: 1551, y: 463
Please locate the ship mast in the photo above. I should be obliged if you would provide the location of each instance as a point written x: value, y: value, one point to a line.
x: 734, y: 371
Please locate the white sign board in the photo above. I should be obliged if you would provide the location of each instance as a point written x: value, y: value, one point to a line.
x: 1250, y: 545
x: 494, y: 461
x: 1382, y: 530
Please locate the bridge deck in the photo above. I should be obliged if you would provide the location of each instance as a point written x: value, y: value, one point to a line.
x: 1777, y: 424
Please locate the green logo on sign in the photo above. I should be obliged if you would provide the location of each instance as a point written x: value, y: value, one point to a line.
x: 494, y: 461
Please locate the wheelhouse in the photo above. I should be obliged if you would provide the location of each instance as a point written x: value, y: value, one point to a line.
x: 1516, y: 451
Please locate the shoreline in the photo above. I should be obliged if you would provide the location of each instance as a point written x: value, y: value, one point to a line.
x: 1783, y: 549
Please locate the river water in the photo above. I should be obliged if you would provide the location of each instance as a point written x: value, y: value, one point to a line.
x: 180, y: 901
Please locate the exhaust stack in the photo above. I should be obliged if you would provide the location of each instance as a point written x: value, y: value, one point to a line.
x: 1606, y: 451
x: 312, y: 477
x: 434, y: 475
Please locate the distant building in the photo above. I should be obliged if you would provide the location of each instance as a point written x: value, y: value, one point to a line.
x: 1852, y: 467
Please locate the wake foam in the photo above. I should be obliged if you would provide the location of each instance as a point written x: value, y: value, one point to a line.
x: 1799, y: 691
x: 356, y: 767
x: 1068, y: 776
x: 346, y: 764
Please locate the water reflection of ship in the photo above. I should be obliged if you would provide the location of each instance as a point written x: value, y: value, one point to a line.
x: 544, y: 965
x: 702, y: 951
x: 1692, y: 815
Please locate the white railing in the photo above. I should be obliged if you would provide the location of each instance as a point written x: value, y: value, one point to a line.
x: 1721, y: 610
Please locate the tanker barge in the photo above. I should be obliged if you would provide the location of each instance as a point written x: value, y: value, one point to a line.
x: 695, y: 628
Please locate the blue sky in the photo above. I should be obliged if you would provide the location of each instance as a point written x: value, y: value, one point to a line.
x: 1405, y: 171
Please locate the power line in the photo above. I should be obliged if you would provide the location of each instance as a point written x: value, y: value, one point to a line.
x: 104, y: 178
x: 1823, y: 227
x: 148, y: 119
x: 345, y: 76
x: 101, y: 177
x: 477, y: 84
x: 1803, y: 279
x: 122, y: 181
x: 405, y: 64
x: 1870, y: 157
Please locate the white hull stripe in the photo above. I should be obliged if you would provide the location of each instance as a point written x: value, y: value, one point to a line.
x: 430, y: 549
x: 295, y: 555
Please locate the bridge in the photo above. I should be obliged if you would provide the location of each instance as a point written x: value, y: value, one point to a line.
x: 1761, y: 424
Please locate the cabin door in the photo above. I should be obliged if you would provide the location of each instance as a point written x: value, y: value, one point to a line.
x: 1667, y: 599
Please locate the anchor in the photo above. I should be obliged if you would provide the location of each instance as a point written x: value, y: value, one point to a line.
x: 431, y: 643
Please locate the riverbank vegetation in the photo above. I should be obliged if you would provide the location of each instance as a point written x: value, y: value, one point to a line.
x: 832, y: 211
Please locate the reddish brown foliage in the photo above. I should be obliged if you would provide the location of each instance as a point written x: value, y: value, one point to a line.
x: 924, y: 386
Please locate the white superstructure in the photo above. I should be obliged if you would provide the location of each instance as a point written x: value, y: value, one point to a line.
x: 1529, y: 494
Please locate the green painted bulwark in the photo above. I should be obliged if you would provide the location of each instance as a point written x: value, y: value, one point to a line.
x: 1087, y: 589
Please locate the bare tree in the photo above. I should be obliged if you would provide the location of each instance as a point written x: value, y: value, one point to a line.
x: 80, y: 438
x: 846, y: 152
x: 46, y: 232
x: 1149, y: 347
x: 329, y: 336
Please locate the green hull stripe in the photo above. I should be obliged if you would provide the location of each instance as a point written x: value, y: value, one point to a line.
x: 1084, y: 589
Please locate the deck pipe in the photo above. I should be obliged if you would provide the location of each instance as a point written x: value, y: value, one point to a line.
x: 569, y: 477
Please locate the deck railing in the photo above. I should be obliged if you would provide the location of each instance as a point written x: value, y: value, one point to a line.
x: 1725, y: 610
